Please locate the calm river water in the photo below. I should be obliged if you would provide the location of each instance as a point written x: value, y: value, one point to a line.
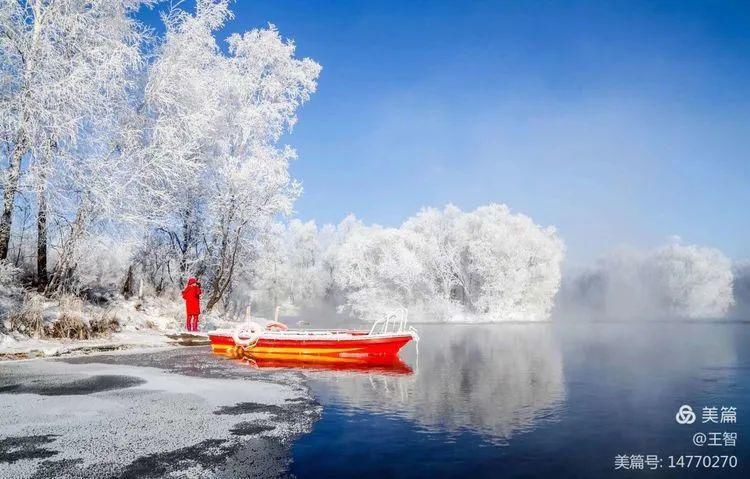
x: 540, y: 400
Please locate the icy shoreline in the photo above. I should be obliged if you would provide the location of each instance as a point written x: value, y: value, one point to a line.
x: 149, y: 414
x: 45, y: 348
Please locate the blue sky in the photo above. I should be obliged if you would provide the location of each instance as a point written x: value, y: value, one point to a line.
x: 621, y: 123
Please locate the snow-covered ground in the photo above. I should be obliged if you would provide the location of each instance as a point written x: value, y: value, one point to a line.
x: 24, y: 348
x: 179, y: 413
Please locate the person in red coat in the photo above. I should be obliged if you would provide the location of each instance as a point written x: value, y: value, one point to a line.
x: 192, y: 296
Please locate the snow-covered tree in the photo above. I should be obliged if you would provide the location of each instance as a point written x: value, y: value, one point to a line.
x: 517, y: 263
x: 289, y: 271
x: 306, y: 281
x: 68, y: 67
x: 378, y: 269
x: 218, y: 119
x: 187, y: 155
x: 487, y: 265
x: 331, y: 239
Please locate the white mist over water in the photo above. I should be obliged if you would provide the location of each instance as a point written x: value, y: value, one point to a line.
x: 673, y: 281
x: 741, y: 272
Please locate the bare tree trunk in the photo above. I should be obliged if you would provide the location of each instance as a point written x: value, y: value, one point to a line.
x: 183, y: 242
x: 228, y: 259
x: 26, y: 216
x: 184, y: 246
x: 41, y: 218
x: 11, y: 187
x: 127, y: 286
x: 41, y: 238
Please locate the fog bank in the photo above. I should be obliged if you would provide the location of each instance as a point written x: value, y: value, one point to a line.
x: 669, y: 282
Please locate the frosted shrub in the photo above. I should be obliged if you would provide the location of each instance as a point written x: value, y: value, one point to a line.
x: 28, y: 319
x: 104, y: 324
x: 70, y: 327
x: 8, y: 275
x: 70, y: 305
x: 70, y: 323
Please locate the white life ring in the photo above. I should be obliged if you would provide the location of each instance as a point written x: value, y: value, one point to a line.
x: 247, y: 334
x: 276, y: 326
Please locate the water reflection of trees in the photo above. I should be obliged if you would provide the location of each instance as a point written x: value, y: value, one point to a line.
x: 492, y: 379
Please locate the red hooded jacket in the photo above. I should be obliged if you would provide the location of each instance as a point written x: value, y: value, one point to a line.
x: 192, y: 296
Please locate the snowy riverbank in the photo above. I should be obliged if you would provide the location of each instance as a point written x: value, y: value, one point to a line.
x: 180, y: 412
x: 29, y: 320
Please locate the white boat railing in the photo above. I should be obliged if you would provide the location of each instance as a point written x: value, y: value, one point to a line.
x: 394, y: 322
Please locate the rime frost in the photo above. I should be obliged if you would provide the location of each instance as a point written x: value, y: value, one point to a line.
x: 172, y: 161
x: 444, y: 265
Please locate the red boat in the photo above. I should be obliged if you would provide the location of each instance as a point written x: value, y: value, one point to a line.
x: 386, y: 337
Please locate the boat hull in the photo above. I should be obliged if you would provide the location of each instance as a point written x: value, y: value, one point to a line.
x: 342, y: 345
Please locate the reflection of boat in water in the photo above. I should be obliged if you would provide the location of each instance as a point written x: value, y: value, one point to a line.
x: 386, y: 337
x: 384, y: 364
x: 494, y: 380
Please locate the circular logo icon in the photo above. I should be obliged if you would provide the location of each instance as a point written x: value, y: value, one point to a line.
x: 685, y: 415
